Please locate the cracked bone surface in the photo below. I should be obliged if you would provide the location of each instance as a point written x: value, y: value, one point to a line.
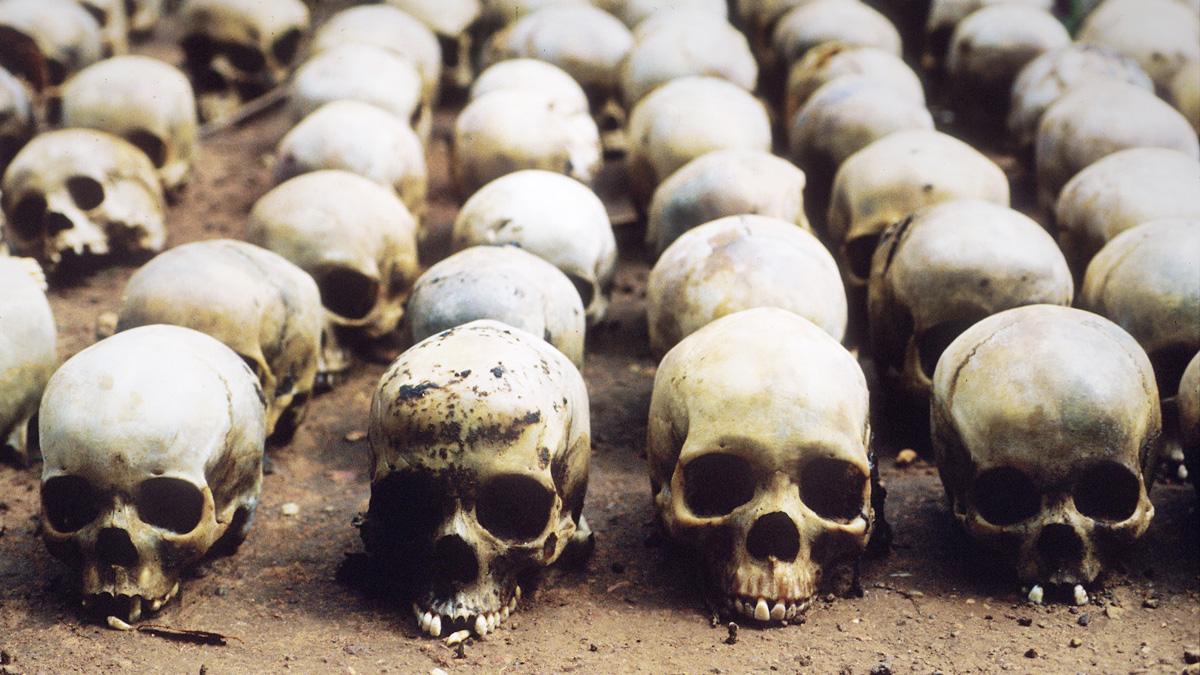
x: 1045, y: 424
x: 758, y: 451
x: 152, y: 442
x: 28, y: 353
x: 480, y: 441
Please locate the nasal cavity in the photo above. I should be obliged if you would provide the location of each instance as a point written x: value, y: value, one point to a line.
x: 56, y: 222
x: 114, y: 547
x: 774, y: 536
x: 454, y: 561
x: 1058, y: 543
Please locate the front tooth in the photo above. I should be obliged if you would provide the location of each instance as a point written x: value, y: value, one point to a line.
x: 135, y: 609
x: 156, y: 605
x: 435, y: 625
x: 517, y: 593
x: 481, y: 626
x: 761, y: 612
x: 492, y: 621
x: 778, y: 612
x: 424, y: 621
x: 117, y: 624
x: 1036, y: 594
x: 504, y: 614
x: 1081, y: 596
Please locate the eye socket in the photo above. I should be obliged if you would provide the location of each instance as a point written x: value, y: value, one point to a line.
x: 514, y: 507
x: 1006, y: 496
x: 26, y: 217
x: 170, y: 503
x: 56, y: 70
x: 859, y: 252
x: 1107, y: 491
x: 348, y: 293
x: 244, y: 58
x: 197, y: 48
x: 69, y: 502
x: 717, y: 483
x: 152, y: 145
x: 284, y: 48
x: 406, y: 506
x: 1169, y: 364
x: 833, y: 489
x: 86, y: 192
x: 931, y: 343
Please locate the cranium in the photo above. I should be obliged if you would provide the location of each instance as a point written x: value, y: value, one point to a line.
x: 360, y: 138
x: 1187, y: 403
x: 678, y: 43
x: 16, y: 117
x: 480, y: 443
x: 503, y: 12
x: 258, y: 304
x: 236, y: 50
x: 725, y: 183
x: 546, y: 78
x: 153, y: 446
x: 503, y: 283
x: 633, y: 12
x: 143, y: 16
x: 452, y: 21
x: 357, y: 241
x: 1045, y: 424
x: 944, y: 16
x: 143, y: 100
x: 737, y: 263
x: 1185, y: 92
x: 80, y: 192
x: 513, y: 129
x: 1097, y: 119
x: 389, y: 28
x: 65, y: 35
x: 759, y: 459
x: 113, y: 19
x: 830, y: 60
x: 1120, y: 191
x: 552, y: 216
x: 27, y: 349
x: 1161, y: 35
x: 817, y: 21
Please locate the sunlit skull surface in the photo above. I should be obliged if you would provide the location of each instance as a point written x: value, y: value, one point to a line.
x: 759, y: 460
x: 113, y: 19
x: 633, y: 12
x: 153, y: 446
x: 16, y: 117
x: 480, y: 442
x: 742, y: 262
x: 552, y: 216
x: 547, y: 78
x: 945, y: 15
x: 143, y: 100
x: 143, y: 16
x: 361, y: 138
x: 679, y: 43
x: 1046, y: 424
x: 355, y: 238
x: 236, y: 50
x: 1161, y: 35
x: 80, y: 192
x: 725, y: 183
x: 815, y: 22
x: 503, y: 283
x: 945, y: 267
x: 27, y: 349
x: 258, y: 304
x: 831, y: 60
x: 452, y: 21
x: 66, y: 36
x: 389, y: 28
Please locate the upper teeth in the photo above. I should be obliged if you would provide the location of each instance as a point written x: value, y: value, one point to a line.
x: 762, y: 609
x: 432, y: 621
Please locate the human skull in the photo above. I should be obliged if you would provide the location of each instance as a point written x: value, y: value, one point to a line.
x: 66, y: 37
x: 1121, y: 191
x: 758, y: 445
x: 27, y: 349
x: 1097, y: 119
x: 725, y: 183
x: 237, y: 50
x: 1187, y: 403
x: 1161, y: 35
x: 17, y: 123
x: 258, y: 304
x: 1045, y: 425
x: 143, y: 100
x: 509, y: 130
x: 828, y: 61
x: 742, y: 262
x: 679, y: 43
x: 503, y: 283
x: 391, y: 28
x: 546, y: 78
x: 945, y: 267
x: 80, y: 192
x: 1046, y: 78
x: 358, y: 242
x: 498, y: 13
x: 944, y: 16
x: 551, y: 216
x: 818, y: 21
x: 358, y: 137
x: 633, y: 12
x: 1185, y: 92
x: 112, y: 17
x: 480, y: 442
x: 452, y: 21
x: 143, y: 16
x: 153, y: 447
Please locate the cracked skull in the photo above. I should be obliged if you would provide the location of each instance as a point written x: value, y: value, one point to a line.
x: 153, y: 445
x: 27, y: 349
x: 480, y: 443
x: 1045, y: 424
x: 759, y: 461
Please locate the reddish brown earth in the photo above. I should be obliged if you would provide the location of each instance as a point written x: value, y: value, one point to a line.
x: 928, y: 606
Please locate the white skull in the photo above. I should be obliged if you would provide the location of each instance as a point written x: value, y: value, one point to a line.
x: 27, y: 349
x: 258, y: 304
x: 452, y: 21
x: 153, y: 447
x: 65, y: 36
x: 759, y: 459
x: 758, y: 19
x: 1045, y: 425
x: 679, y: 43
x: 1121, y: 191
x: 503, y: 283
x: 942, y: 269
x: 508, y: 130
x: 143, y: 100
x: 143, y: 16
x: 80, y: 192
x: 358, y: 137
x: 358, y: 242
x: 553, y: 217
x: 1184, y: 92
x: 725, y: 183
x: 498, y: 13
x: 742, y: 262
x: 1045, y: 79
x: 633, y: 12
x: 1097, y: 119
x: 819, y: 21
x: 113, y: 19
x: 390, y: 28
x: 1187, y: 403
x: 1161, y: 35
x: 546, y: 78
x: 17, y: 123
x: 830, y: 60
x: 480, y: 442
x: 945, y: 15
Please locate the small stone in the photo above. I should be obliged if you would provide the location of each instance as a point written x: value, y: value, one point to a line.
x: 1024, y: 621
x: 1075, y: 642
x: 884, y: 668
x: 1031, y: 653
x: 733, y: 633
x: 355, y: 436
x: 6, y: 658
x: 1190, y: 655
x: 437, y: 671
x: 1150, y: 603
x: 106, y: 325
x: 593, y: 648
x: 1084, y: 619
x: 906, y: 457
x: 290, y: 509
x: 1113, y: 612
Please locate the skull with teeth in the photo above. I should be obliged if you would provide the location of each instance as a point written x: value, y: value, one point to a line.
x: 758, y: 450
x: 80, y: 192
x: 153, y: 445
x: 143, y: 100
x: 261, y: 306
x: 1046, y: 423
x: 389, y: 28
x: 27, y: 349
x: 16, y: 117
x: 480, y: 443
x: 63, y: 35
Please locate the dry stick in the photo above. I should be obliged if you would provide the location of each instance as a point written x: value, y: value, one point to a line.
x: 196, y: 637
x: 247, y: 112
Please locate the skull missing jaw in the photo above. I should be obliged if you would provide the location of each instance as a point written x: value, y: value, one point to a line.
x: 514, y: 507
x: 834, y: 489
x: 1107, y: 491
x: 931, y: 343
x: 86, y: 192
x: 69, y: 503
x: 170, y: 503
x: 1006, y: 496
x: 348, y: 293
x: 715, y: 484
x: 859, y: 252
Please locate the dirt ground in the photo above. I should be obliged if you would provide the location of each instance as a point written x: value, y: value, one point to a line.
x: 928, y: 606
